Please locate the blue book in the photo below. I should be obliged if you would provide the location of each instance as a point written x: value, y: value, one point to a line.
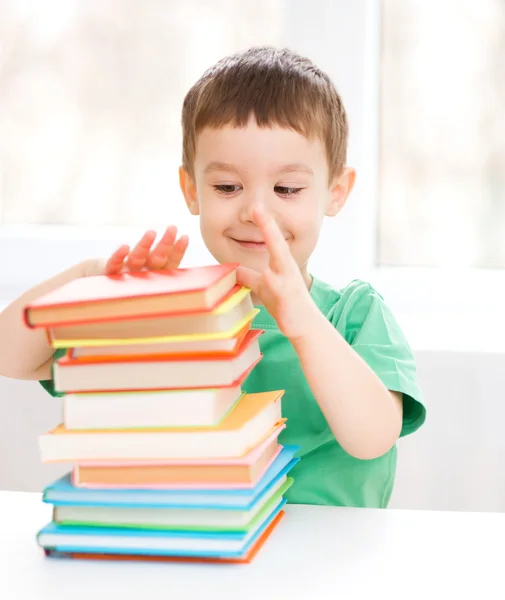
x: 62, y: 492
x: 67, y: 539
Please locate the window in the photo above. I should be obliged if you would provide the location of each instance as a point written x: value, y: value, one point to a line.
x: 90, y: 144
x: 442, y: 139
x: 90, y: 120
x: 91, y: 100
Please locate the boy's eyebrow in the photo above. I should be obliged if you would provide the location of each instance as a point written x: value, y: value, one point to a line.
x: 220, y: 166
x: 296, y: 167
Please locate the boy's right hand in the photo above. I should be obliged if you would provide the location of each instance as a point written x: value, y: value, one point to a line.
x: 167, y: 254
x: 25, y: 353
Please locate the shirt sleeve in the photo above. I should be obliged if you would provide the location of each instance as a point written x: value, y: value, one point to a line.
x: 373, y: 332
x: 48, y: 384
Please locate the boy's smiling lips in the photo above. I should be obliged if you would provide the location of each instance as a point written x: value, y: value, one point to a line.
x: 251, y: 244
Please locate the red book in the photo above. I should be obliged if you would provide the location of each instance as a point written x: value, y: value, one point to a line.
x: 128, y: 295
x: 156, y: 372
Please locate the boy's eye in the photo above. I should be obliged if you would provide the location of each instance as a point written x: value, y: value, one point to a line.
x: 227, y: 188
x: 286, y: 191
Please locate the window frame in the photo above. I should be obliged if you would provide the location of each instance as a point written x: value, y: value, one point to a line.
x: 434, y: 292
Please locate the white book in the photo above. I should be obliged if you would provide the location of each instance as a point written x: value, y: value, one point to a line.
x: 169, y: 408
x: 154, y: 542
x: 172, y: 518
x: 89, y: 374
x: 245, y: 426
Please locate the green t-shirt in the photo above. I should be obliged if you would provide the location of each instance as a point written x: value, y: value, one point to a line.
x: 326, y: 473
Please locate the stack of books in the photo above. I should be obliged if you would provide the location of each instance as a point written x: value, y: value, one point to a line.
x: 170, y: 459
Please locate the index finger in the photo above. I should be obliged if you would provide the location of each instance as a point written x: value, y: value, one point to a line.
x: 277, y: 246
x: 116, y: 262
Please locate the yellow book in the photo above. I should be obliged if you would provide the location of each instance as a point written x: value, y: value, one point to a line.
x: 186, y: 331
x: 252, y: 420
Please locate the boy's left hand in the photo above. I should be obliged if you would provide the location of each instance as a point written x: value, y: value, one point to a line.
x: 281, y: 287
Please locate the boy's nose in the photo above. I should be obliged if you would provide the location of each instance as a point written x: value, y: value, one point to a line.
x: 249, y: 204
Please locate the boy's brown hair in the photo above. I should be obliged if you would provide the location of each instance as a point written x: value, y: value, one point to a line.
x: 277, y: 87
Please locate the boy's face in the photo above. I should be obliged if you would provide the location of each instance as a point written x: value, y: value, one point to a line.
x: 237, y: 169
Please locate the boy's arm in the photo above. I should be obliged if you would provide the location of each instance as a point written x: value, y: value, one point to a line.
x: 24, y: 352
x: 365, y: 417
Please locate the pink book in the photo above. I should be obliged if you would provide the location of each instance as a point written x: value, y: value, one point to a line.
x: 241, y: 472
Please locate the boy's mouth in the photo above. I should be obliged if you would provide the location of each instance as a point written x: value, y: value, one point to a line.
x: 251, y: 244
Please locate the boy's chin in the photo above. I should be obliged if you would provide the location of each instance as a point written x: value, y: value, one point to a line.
x: 256, y: 260
x: 257, y: 263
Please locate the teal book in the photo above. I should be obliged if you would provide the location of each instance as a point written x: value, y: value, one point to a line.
x: 57, y: 539
x: 62, y: 492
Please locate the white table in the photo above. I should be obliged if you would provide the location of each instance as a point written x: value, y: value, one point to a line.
x: 316, y: 552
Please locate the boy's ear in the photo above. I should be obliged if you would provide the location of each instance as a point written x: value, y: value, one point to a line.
x: 340, y: 190
x: 188, y: 188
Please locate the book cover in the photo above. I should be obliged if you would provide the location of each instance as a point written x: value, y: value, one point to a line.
x: 110, y: 297
x: 233, y: 313
x: 62, y: 492
x: 244, y: 471
x: 245, y: 558
x: 70, y: 360
x: 108, y: 373
x: 223, y: 343
x: 252, y: 419
x: 216, y: 521
x: 82, y: 540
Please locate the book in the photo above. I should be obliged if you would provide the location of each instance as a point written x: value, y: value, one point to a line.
x: 63, y: 492
x: 243, y: 471
x: 245, y: 558
x: 172, y: 460
x: 232, y: 313
x: 210, y: 520
x: 145, y: 409
x: 152, y: 542
x: 113, y: 297
x: 177, y: 345
x: 252, y: 419
x: 92, y: 374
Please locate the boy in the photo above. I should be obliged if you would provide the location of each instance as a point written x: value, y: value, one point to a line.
x: 264, y: 151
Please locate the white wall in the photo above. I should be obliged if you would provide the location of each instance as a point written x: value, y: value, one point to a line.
x: 454, y: 462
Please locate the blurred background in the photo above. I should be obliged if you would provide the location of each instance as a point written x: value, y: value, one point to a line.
x: 90, y: 144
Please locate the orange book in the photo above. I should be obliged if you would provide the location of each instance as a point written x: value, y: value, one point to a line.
x: 243, y: 471
x: 115, y: 373
x: 114, y: 297
x: 251, y: 421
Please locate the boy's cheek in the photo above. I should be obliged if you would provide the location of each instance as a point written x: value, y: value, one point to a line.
x: 213, y: 219
x: 212, y: 229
